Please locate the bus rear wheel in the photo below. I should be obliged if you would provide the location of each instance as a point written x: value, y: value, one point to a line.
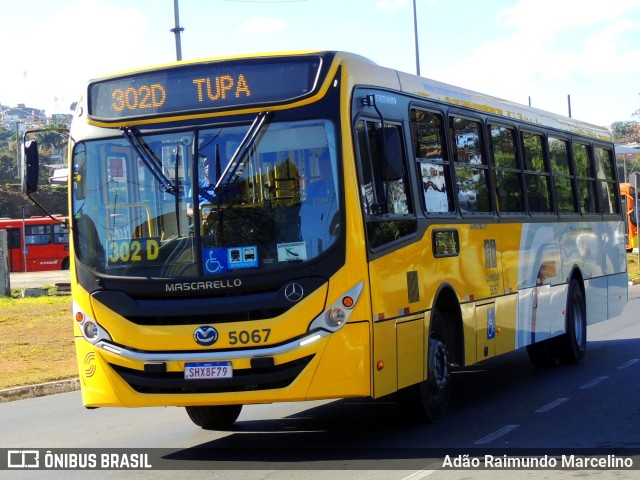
x: 216, y: 417
x: 428, y: 401
x: 572, y: 345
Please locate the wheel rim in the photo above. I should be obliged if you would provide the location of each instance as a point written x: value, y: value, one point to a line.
x: 578, y: 324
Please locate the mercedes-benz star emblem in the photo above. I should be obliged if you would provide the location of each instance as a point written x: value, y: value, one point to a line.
x: 205, y: 336
x: 294, y: 292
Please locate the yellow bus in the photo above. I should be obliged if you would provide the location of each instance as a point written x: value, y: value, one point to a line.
x: 310, y: 225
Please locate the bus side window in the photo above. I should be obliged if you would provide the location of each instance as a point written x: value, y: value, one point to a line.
x: 60, y: 234
x: 470, y: 166
x: 385, y: 188
x: 385, y: 185
x: 536, y: 174
x: 434, y: 175
x: 37, y: 234
x: 507, y: 171
x: 585, y: 178
x: 606, y: 174
x: 562, y: 175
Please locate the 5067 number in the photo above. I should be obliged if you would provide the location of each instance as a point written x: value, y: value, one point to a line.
x: 245, y: 337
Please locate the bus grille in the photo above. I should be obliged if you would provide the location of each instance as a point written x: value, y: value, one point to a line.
x: 245, y: 380
x: 208, y: 317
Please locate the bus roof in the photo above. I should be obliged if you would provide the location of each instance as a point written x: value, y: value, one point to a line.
x: 6, y: 221
x: 361, y: 70
x: 427, y: 88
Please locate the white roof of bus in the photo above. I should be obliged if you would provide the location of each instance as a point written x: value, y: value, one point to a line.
x: 631, y: 148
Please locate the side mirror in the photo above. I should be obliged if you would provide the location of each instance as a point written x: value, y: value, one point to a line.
x: 392, y: 143
x: 30, y: 167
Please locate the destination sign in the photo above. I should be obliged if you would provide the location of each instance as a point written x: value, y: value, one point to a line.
x: 203, y: 87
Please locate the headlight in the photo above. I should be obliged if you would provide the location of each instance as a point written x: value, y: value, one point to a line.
x: 337, y: 314
x: 91, y: 330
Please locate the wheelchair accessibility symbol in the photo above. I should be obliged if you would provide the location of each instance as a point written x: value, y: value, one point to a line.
x: 491, y: 323
x: 214, y: 260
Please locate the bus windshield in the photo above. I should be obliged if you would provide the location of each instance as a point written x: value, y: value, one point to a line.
x: 147, y: 204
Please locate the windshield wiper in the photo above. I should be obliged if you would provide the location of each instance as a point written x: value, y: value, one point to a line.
x: 175, y: 175
x: 239, y: 154
x: 149, y: 159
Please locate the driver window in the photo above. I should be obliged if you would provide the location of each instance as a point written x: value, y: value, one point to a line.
x: 385, y: 189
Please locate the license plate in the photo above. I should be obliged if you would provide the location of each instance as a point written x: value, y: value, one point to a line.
x: 203, y: 371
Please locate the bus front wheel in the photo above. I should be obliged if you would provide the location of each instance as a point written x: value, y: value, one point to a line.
x: 428, y: 401
x: 216, y: 417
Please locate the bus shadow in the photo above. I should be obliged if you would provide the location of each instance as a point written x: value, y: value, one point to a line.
x: 374, y: 434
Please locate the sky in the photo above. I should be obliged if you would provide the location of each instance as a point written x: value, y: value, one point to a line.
x: 540, y: 51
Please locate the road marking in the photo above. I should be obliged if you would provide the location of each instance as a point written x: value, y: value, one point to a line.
x: 497, y: 434
x: 594, y: 382
x: 551, y: 405
x: 628, y: 364
x: 419, y: 474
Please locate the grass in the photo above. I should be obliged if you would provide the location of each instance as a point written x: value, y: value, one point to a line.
x: 36, y: 337
x: 633, y: 267
x: 36, y: 340
x: 50, y: 289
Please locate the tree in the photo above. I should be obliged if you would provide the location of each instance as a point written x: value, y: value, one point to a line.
x: 8, y: 160
x: 7, y: 164
x: 626, y: 131
x: 53, y: 140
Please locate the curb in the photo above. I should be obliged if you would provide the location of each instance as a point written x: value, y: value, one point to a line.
x: 39, y: 390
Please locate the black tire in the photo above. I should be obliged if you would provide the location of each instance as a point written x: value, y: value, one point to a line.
x: 218, y: 417
x: 428, y: 401
x: 571, y: 346
x: 543, y: 354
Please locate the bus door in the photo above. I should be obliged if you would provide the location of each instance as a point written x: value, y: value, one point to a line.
x: 16, y: 255
x: 398, y: 335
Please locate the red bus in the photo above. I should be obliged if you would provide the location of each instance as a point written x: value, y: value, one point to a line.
x: 37, y: 243
x: 628, y: 197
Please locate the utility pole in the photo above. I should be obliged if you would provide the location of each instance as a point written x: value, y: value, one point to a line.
x: 415, y: 36
x: 177, y: 30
